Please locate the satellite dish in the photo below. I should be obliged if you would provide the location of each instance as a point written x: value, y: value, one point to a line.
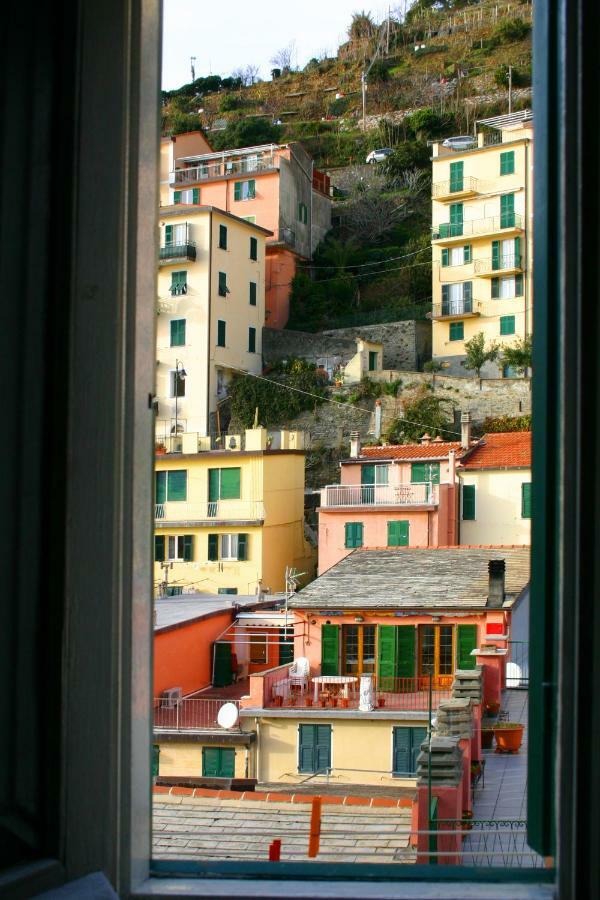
x: 228, y: 715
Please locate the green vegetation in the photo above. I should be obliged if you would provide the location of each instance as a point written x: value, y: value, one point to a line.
x: 519, y: 356
x: 423, y: 412
x: 478, y: 353
x: 506, y: 423
x: 275, y: 405
x: 246, y: 133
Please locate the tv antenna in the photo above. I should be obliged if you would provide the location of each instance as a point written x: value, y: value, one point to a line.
x: 192, y: 61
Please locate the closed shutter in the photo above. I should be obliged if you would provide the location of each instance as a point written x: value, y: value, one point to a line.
x: 373, y: 360
x: 418, y: 735
x: 468, y: 296
x: 495, y: 288
x: 253, y: 248
x: 177, y: 332
x: 213, y: 547
x: 330, y: 644
x: 221, y: 333
x: 252, y: 340
x: 252, y: 293
x: 227, y: 762
x: 507, y: 324
x: 507, y: 211
x: 367, y: 474
x: 251, y: 189
x: 401, y: 751
x: 406, y: 651
x: 177, y: 485
x: 161, y: 487
x: 159, y: 547
x: 417, y: 473
x: 397, y: 534
x: 213, y: 485
x: 456, y: 219
x: 306, y: 748
x: 466, y: 641
x: 188, y: 547
x: 155, y: 760
x: 222, y: 239
x: 456, y: 176
x: 237, y: 190
x: 176, y: 199
x: 218, y: 762
x: 286, y: 646
x: 495, y: 255
x: 467, y: 253
x: 517, y: 252
x: 518, y: 285
x: 445, y: 299
x: 222, y: 668
x: 353, y: 534
x: 422, y: 472
x: 322, y: 747
x: 242, y: 547
x: 468, y: 502
x: 456, y: 331
x: 195, y: 196
x: 387, y: 656
x: 230, y: 484
x: 445, y: 256
x: 526, y: 500
x: 507, y: 163
x: 169, y: 234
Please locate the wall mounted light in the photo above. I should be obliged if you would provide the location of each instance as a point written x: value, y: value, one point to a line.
x: 358, y: 619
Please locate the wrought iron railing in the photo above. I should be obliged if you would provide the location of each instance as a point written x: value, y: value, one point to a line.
x: 452, y: 308
x: 488, y: 225
x: 183, y: 250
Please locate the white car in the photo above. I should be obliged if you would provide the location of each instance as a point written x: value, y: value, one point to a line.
x: 379, y: 155
x: 462, y: 142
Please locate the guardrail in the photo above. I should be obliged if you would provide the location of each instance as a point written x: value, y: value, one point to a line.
x: 192, y: 713
x: 183, y: 250
x: 467, y: 184
x: 230, y: 510
x: 342, y: 495
x: 512, y: 261
x: 488, y: 225
x: 194, y: 174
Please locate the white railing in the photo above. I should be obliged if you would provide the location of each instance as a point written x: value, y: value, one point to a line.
x: 379, y: 495
x: 230, y: 510
x: 194, y: 174
x: 192, y: 713
x: 509, y: 261
x: 466, y: 184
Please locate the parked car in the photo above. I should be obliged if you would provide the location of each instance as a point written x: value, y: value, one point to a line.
x: 462, y: 142
x: 379, y: 155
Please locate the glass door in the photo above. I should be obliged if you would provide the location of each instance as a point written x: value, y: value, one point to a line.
x: 358, y: 649
x: 436, y: 653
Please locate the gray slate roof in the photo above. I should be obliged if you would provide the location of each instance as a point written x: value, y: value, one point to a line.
x: 174, y: 611
x: 411, y: 579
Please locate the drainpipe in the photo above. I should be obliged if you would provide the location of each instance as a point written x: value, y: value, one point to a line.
x: 257, y: 754
x: 377, y: 419
x: 208, y: 325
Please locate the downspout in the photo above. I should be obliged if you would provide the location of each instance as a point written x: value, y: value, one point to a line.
x: 526, y: 280
x: 208, y: 327
x: 257, y: 755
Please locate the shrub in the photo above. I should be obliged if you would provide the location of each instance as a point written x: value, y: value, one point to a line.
x: 510, y: 30
x: 275, y: 404
x: 493, y: 424
x: 229, y: 103
x: 423, y: 412
x: 391, y: 388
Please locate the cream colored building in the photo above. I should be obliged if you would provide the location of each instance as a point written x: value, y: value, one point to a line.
x: 482, y: 232
x: 211, y: 311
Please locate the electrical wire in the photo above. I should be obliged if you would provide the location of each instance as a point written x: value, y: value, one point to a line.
x: 360, y: 275
x: 379, y: 262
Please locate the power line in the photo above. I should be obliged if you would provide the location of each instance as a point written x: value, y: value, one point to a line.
x: 379, y: 262
x: 360, y: 275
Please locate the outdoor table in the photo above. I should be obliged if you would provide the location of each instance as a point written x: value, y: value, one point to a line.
x: 344, y: 680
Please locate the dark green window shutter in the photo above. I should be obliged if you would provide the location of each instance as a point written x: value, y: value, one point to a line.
x: 222, y: 284
x: 373, y: 360
x: 417, y: 473
x: 353, y: 534
x: 517, y: 252
x: 155, y: 760
x: 367, y: 473
x: 418, y: 735
x: 322, y: 747
x: 222, y: 238
x: 495, y: 255
x: 252, y: 293
x: 227, y: 762
x: 457, y: 331
x: 467, y: 253
x: 406, y: 651
x: 161, y: 487
x: 214, y: 480
x: 195, y: 196
x: 507, y: 324
x: 169, y: 233
x: 306, y: 748
x: 177, y: 485
x: 253, y: 248
x: 526, y: 500
x: 237, y: 190
x: 445, y: 256
x: 507, y: 162
x: 466, y: 641
x: 401, y: 751
x: 456, y: 176
x: 213, y: 547
x: 222, y: 665
x: 507, y: 211
x: 242, y: 547
x: 387, y: 656
x: 495, y: 288
x: 159, y: 547
x: 251, y: 189
x: 230, y: 484
x: 518, y: 285
x: 286, y: 646
x: 468, y: 502
x: 252, y: 340
x: 445, y: 298
x: 221, y: 333
x: 397, y: 533
x: 177, y: 332
x: 188, y: 547
x: 467, y: 295
x: 176, y: 199
x: 210, y: 762
x: 330, y: 644
x: 456, y: 219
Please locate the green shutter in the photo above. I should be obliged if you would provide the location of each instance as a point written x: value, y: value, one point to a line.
x: 252, y: 340
x: 387, y: 656
x: 467, y: 295
x: 456, y: 331
x: 177, y: 485
x: 223, y: 674
x: 507, y: 163
x: 495, y: 288
x: 222, y: 242
x: 456, y: 176
x: 367, y: 473
x: 306, y: 748
x: 445, y: 296
x: 195, y: 196
x: 177, y: 332
x: 330, y: 643
x: 176, y: 199
x: 322, y: 747
x: 227, y: 762
x: 405, y: 639
x: 161, y: 487
x: 518, y: 285
x: 222, y: 284
x: 159, y: 547
x: 397, y: 533
x: 252, y: 293
x: 373, y: 360
x: 517, y: 252
x: 253, y: 248
x: 251, y: 189
x: 286, y: 647
x: 507, y: 324
x: 213, y: 547
x: 445, y: 256
x: 495, y: 255
x: 242, y: 547
x: 221, y: 333
x: 467, y: 253
x: 418, y: 735
x: 526, y: 500
x: 401, y: 751
x: 466, y: 641
x: 417, y: 473
x: 214, y: 481
x: 468, y: 502
x: 210, y: 762
x: 168, y: 234
x: 230, y: 484
x: 456, y: 219
x: 237, y: 190
x: 354, y: 534
x: 155, y: 760
x: 507, y: 211
x: 188, y: 547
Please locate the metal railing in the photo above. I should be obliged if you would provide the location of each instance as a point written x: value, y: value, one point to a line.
x: 340, y: 495
x: 489, y: 842
x: 228, y: 510
x: 490, y: 138
x: 467, y: 184
x: 451, y: 308
x: 188, y: 713
x: 488, y: 225
x: 408, y: 694
x: 511, y: 261
x: 183, y: 250
x: 195, y: 174
x: 517, y: 664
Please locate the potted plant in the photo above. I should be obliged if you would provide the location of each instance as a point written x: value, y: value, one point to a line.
x: 333, y: 701
x: 308, y: 701
x: 509, y: 737
x: 344, y: 702
x: 380, y: 702
x: 487, y: 737
x: 492, y: 708
x: 160, y: 449
x: 278, y: 700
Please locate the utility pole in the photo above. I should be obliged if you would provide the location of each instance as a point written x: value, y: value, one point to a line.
x: 387, y: 50
x: 510, y: 89
x: 192, y: 61
x: 165, y: 566
x: 363, y: 82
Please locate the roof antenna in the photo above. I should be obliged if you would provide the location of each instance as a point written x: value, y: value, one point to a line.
x: 192, y: 61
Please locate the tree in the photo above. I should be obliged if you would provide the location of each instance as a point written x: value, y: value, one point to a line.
x: 246, y: 133
x: 283, y: 58
x: 361, y: 26
x: 478, y: 354
x: 246, y: 75
x: 373, y: 208
x: 518, y: 356
x: 423, y: 412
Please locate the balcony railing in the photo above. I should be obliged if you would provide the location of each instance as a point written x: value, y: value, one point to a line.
x: 184, y: 250
x: 192, y: 713
x: 342, y: 495
x: 512, y: 262
x: 204, y: 172
x: 489, y: 225
x: 465, y: 185
x: 453, y: 308
x: 217, y: 510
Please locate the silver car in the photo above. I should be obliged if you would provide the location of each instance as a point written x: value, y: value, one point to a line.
x: 379, y: 155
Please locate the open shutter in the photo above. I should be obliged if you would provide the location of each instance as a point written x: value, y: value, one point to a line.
x: 445, y: 299
x: 223, y: 674
x: 169, y: 233
x: 188, y: 547
x: 286, y: 646
x: 237, y: 190
x: 445, y: 256
x: 322, y: 747
x: 406, y: 651
x: 518, y: 285
x: 401, y: 751
x: 466, y: 641
x: 195, y: 196
x: 418, y: 735
x: 495, y: 255
x: 252, y: 293
x: 222, y: 284
x: 213, y: 485
x: 306, y: 748
x: 517, y: 252
x: 210, y: 762
x: 507, y: 211
x: 467, y: 253
x: 213, y: 547
x: 242, y: 547
x: 177, y: 485
x: 433, y: 473
x: 251, y: 189
x: 330, y: 643
x: 526, y: 500
x: 456, y: 219
x: 387, y: 656
x: 159, y: 547
x: 161, y: 487
x: 230, y: 484
x: 495, y: 288
x: 468, y: 502
x: 176, y: 198
x: 467, y: 296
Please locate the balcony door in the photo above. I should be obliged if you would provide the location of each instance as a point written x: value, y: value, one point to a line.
x: 436, y: 653
x: 358, y: 649
x: 372, y: 479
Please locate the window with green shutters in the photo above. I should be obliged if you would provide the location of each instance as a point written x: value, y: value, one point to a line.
x: 223, y: 289
x: 465, y: 642
x: 456, y: 219
x: 406, y: 655
x: 222, y: 237
x: 526, y: 500
x: 155, y: 760
x: 218, y: 762
x: 286, y: 646
x: 221, y: 333
x: 507, y: 324
x: 314, y: 748
x: 445, y: 256
x: 171, y: 486
x: 244, y: 190
x: 507, y: 162
x: 507, y: 211
x: 518, y: 285
x: 330, y: 649
x: 252, y: 293
x: 397, y: 533
x: 177, y: 547
x: 213, y: 547
x: 495, y: 255
x: 456, y: 331
x: 456, y: 176
x: 373, y: 355
x: 406, y: 748
x: 467, y: 253
x: 252, y: 340
x: 177, y: 332
x: 224, y: 484
x: 422, y: 472
x: 468, y: 502
x: 253, y: 248
x: 387, y: 657
x: 354, y: 534
x: 159, y: 547
x: 178, y: 283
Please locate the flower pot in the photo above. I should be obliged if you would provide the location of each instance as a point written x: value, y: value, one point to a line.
x: 278, y: 700
x: 509, y: 737
x: 308, y: 701
x: 160, y: 451
x: 487, y: 738
x: 322, y: 703
x: 380, y: 702
x: 344, y: 702
x: 333, y: 701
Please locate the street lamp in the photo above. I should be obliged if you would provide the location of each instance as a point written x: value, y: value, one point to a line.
x: 180, y: 375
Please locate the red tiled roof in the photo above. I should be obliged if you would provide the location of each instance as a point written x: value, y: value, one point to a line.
x: 504, y: 450
x: 411, y: 451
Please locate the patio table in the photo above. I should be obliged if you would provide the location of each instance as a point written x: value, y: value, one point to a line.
x: 344, y: 680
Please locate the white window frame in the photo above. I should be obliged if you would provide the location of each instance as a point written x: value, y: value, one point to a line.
x: 231, y: 542
x: 178, y: 542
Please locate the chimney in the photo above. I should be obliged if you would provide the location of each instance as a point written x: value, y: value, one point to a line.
x: 377, y: 419
x: 426, y: 439
x: 465, y: 430
x: 354, y: 445
x: 496, y: 569
x: 438, y: 439
x: 452, y: 466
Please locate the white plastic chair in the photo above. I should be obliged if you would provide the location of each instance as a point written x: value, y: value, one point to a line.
x: 298, y: 673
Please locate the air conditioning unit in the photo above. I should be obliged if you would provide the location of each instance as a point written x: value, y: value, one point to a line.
x: 171, y: 698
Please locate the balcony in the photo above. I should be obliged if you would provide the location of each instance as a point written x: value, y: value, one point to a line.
x: 211, y: 512
x: 222, y: 169
x: 457, y: 189
x: 188, y: 714
x: 349, y: 495
x: 454, y: 232
x: 454, y: 309
x: 505, y: 265
x: 176, y: 252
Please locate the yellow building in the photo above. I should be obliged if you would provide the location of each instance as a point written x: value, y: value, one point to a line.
x: 231, y: 518
x: 482, y: 218
x: 211, y: 311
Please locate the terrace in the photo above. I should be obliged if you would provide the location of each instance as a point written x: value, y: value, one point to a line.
x: 342, y: 496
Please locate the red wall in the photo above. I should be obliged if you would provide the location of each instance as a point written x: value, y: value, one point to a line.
x: 183, y: 656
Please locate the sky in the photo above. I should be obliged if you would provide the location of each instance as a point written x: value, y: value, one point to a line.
x: 228, y: 35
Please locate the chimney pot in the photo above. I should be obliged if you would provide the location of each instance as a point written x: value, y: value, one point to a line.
x: 465, y: 430
x: 426, y: 439
x: 497, y: 574
x: 354, y: 444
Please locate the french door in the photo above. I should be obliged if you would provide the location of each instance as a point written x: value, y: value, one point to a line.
x: 436, y: 653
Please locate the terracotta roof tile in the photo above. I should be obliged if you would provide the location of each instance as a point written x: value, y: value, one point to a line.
x: 410, y: 451
x: 507, y: 449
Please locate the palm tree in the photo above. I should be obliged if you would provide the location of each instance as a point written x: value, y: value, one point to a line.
x: 362, y: 26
